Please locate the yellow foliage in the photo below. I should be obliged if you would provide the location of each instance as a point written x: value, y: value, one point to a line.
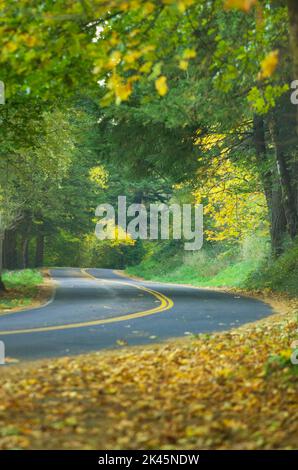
x: 208, y: 141
x: 146, y: 67
x: 29, y: 40
x: 182, y: 5
x: 114, y: 39
x: 115, y: 235
x: 183, y: 64
x: 234, y: 210
x: 10, y: 46
x: 186, y: 56
x: 100, y: 176
x: 269, y: 64
x: 131, y: 57
x: 149, y: 7
x: 122, y: 237
x: 189, y: 54
x: 244, y: 5
x: 114, y: 60
x: 161, y: 85
x: 121, y: 89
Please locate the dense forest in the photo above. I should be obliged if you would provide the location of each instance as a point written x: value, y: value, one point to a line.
x: 161, y: 101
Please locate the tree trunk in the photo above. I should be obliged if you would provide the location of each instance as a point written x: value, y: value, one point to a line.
x: 10, y: 249
x: 272, y: 190
x: 25, y: 253
x: 293, y: 17
x: 39, y: 251
x: 2, y: 286
x: 261, y: 154
x: 283, y: 168
x: 293, y: 20
x: 278, y: 222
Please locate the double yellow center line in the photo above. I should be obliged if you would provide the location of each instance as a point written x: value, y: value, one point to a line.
x: 165, y: 304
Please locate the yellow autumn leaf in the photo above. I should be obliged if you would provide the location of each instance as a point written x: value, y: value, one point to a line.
x: 29, y: 40
x: 124, y: 6
x: 98, y: 66
x: 286, y: 354
x: 147, y: 49
x: 134, y: 32
x: 269, y: 64
x: 161, y: 85
x: 114, y: 39
x: 123, y: 91
x: 183, y: 65
x: 131, y: 57
x: 11, y: 46
x: 149, y: 7
x: 114, y: 59
x: 114, y: 81
x: 244, y: 5
x: 146, y: 67
x: 189, y: 54
x: 182, y: 5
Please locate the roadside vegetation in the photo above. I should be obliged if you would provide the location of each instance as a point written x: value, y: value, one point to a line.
x: 248, y: 266
x: 21, y: 289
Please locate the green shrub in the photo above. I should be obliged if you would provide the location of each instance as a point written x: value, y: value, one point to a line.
x: 280, y: 274
x: 22, y: 278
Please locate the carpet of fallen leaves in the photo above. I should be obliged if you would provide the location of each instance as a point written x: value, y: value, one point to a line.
x: 219, y: 391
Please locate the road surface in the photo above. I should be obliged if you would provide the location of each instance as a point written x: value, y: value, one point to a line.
x: 95, y: 309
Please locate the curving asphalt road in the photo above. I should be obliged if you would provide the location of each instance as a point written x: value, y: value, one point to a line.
x: 96, y: 308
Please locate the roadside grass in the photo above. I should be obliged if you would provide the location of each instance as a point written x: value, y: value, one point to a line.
x: 233, y: 276
x: 22, y: 288
x: 231, y: 390
x: 249, y: 267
